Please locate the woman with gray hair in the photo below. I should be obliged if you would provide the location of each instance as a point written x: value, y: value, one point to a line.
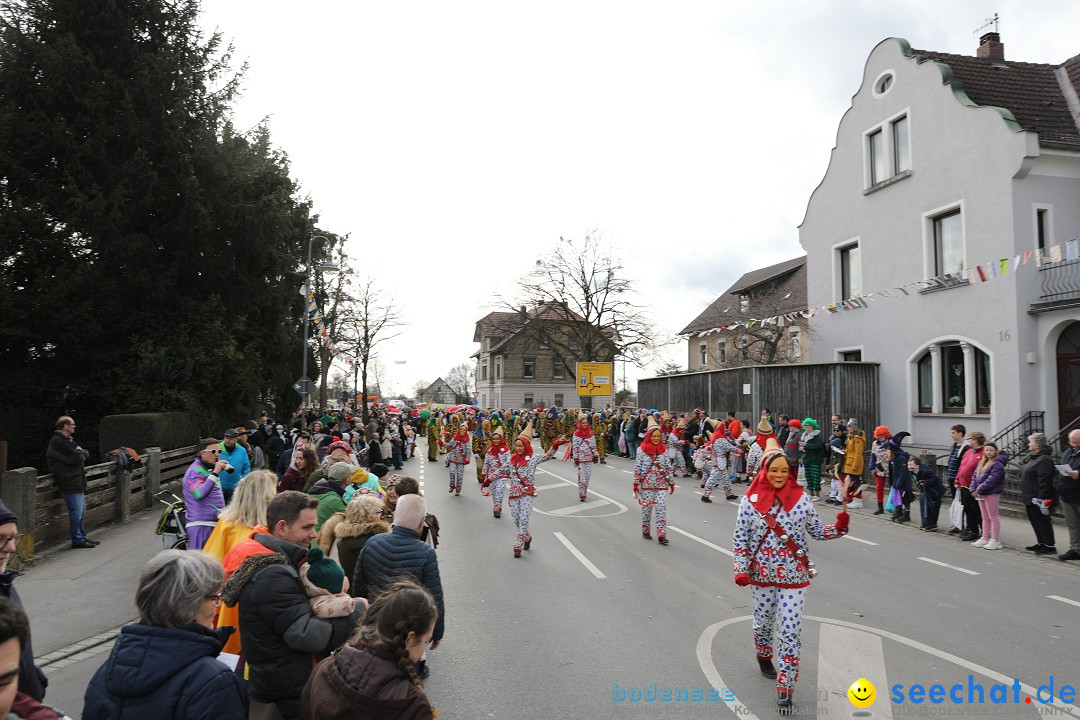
x: 1037, y: 492
x: 165, y: 664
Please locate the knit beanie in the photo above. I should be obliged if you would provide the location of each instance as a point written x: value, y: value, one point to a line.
x: 340, y: 472
x: 6, y: 516
x: 324, y: 572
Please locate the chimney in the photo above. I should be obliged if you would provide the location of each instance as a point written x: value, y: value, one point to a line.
x: 990, y: 46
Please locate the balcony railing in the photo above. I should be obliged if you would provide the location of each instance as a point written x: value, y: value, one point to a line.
x: 1060, y: 281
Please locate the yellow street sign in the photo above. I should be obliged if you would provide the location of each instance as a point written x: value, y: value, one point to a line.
x: 594, y: 378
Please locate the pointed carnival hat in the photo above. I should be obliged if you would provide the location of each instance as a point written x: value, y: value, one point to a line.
x: 527, y: 432
x: 772, y: 449
x: 764, y: 427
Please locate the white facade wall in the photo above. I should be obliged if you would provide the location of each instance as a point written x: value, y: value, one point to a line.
x: 961, y: 156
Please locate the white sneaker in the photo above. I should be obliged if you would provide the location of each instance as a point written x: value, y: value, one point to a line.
x: 981, y: 542
x: 815, y: 498
x: 992, y: 545
x: 855, y: 504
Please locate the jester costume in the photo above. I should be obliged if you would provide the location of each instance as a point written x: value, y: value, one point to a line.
x: 653, y: 483
x: 459, y: 450
x: 584, y: 453
x: 480, y: 434
x: 600, y: 425
x: 770, y: 554
x: 719, y: 451
x: 523, y: 487
x: 432, y: 439
x: 496, y: 470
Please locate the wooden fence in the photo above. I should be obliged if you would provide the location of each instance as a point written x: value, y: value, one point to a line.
x: 111, y: 495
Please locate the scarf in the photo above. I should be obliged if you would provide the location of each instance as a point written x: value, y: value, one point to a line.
x: 522, y: 459
x: 649, y: 448
x: 763, y: 438
x: 584, y: 430
x: 763, y: 495
x: 500, y: 448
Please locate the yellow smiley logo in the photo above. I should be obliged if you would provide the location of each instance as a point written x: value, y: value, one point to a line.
x: 862, y: 693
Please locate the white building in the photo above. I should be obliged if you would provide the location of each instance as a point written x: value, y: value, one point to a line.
x: 944, y: 163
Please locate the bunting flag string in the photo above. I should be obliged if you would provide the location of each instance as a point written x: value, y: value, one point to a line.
x: 981, y: 273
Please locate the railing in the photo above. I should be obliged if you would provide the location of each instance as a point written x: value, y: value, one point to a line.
x: 1060, y: 280
x: 1013, y: 439
x: 112, y: 493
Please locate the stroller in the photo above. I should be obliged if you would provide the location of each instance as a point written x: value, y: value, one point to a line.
x: 172, y: 527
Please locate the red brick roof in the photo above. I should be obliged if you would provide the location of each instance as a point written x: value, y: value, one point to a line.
x: 1030, y: 91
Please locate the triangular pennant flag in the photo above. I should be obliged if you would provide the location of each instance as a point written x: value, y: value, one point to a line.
x: 903, y: 290
x: 1004, y: 263
x: 993, y: 269
x: 862, y: 301
x: 969, y: 274
x: 833, y: 309
x: 1027, y: 256
x: 982, y: 273
x: 1016, y: 263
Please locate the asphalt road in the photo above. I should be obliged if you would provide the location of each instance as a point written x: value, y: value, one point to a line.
x: 552, y: 635
x: 544, y: 636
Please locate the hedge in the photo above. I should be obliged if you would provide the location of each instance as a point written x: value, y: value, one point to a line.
x: 142, y: 430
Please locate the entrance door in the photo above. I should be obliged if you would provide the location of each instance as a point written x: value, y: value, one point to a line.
x: 1068, y: 367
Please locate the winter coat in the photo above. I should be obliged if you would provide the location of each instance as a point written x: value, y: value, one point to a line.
x: 241, y: 464
x: 331, y: 497
x: 31, y: 680
x: 583, y: 450
x: 203, y: 499
x: 1037, y: 480
x: 929, y: 483
x: 991, y: 479
x: 159, y: 672
x: 283, y: 638
x: 398, y: 552
x: 853, y: 453
x: 879, y: 455
x: 901, y: 476
x: 791, y: 447
x: 653, y: 472
x: 1068, y: 490
x: 351, y: 538
x: 813, y: 448
x: 352, y: 684
x: 774, y: 565
x: 66, y: 463
x: 291, y: 480
x: 968, y: 463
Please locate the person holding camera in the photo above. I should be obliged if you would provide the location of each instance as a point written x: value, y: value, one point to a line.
x: 203, y: 499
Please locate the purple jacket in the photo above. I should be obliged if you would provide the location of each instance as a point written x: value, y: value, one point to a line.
x: 203, y: 498
x: 991, y: 479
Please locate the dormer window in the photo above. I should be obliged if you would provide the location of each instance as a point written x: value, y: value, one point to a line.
x: 744, y: 303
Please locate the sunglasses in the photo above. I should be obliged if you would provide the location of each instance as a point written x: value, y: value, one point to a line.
x: 215, y: 451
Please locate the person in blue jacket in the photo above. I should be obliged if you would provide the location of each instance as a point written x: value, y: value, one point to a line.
x: 236, y: 455
x: 931, y: 490
x: 165, y: 665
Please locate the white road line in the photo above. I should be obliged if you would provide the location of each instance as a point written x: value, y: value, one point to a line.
x: 845, y: 653
x: 951, y: 567
x: 628, y: 472
x: 577, y: 553
x: 579, y: 507
x: 622, y: 508
x: 703, y: 542
x: 1064, y: 600
x: 865, y: 542
x: 552, y: 486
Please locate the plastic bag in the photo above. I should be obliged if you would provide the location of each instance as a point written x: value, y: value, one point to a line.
x: 801, y: 476
x: 956, y: 512
x: 889, y: 507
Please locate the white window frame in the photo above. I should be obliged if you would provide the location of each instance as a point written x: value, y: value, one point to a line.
x: 937, y: 393
x: 525, y: 362
x: 558, y: 368
x: 558, y: 400
x: 527, y: 399
x: 744, y: 347
x: 721, y: 352
x: 795, y: 339
x: 703, y: 354
x: 838, y: 268
x: 877, y: 81
x: 498, y: 368
x: 929, y: 249
x: 838, y: 353
x: 889, y: 159
x: 484, y: 371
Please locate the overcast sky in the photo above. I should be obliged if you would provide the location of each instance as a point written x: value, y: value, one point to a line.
x: 457, y: 141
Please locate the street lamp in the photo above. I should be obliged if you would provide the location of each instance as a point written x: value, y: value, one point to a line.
x: 328, y: 265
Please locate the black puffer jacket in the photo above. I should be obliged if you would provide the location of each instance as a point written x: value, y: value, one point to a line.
x: 283, y: 638
x: 1037, y: 480
x: 398, y: 553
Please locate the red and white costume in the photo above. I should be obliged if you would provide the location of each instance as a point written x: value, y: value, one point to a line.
x: 458, y: 455
x: 584, y: 453
x: 496, y: 471
x: 652, y: 484
x: 523, y: 489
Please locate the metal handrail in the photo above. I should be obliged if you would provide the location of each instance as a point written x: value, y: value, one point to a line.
x: 1013, y: 439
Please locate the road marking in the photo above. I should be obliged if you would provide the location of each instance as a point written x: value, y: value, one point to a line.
x: 708, y: 667
x: 866, y: 542
x: 951, y: 567
x: 628, y: 472
x: 703, y: 542
x: 592, y: 504
x: 843, y: 654
x: 1064, y: 600
x: 577, y: 553
x: 616, y: 503
x: 551, y: 486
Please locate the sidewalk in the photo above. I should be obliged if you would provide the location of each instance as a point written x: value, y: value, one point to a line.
x: 77, y: 599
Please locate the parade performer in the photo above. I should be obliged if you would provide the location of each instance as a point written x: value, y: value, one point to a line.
x: 881, y: 457
x: 522, y: 484
x: 432, y: 439
x: 458, y: 456
x: 480, y: 431
x: 719, y: 450
x: 757, y: 448
x: 600, y: 427
x: 584, y: 453
x: 770, y: 546
x: 653, y: 482
x: 703, y: 459
x: 496, y: 469
x: 549, y: 427
x: 853, y: 463
x: 673, y: 439
x: 812, y: 446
